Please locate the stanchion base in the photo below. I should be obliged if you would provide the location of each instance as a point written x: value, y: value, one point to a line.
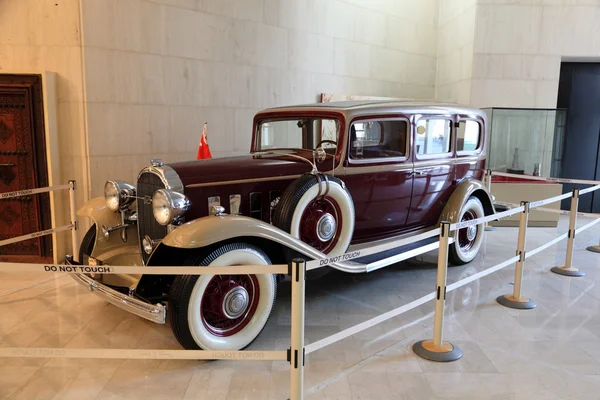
x: 567, y: 271
x: 594, y: 249
x: 522, y: 303
x: 489, y: 228
x: 445, y: 353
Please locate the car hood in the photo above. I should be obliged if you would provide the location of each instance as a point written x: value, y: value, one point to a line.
x: 220, y: 170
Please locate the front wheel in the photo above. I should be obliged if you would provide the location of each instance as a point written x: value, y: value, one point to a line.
x: 467, y: 241
x: 222, y: 312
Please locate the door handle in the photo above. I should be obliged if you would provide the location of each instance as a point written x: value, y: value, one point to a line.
x: 422, y: 171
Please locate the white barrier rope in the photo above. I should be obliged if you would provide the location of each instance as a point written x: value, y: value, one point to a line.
x: 481, y: 274
x: 590, y: 189
x: 541, y: 178
x: 539, y: 203
x: 587, y: 226
x: 482, y: 220
x: 111, y: 269
x: 319, y: 344
x: 36, y: 235
x: 141, y: 354
x: 543, y: 247
x: 323, y: 262
x: 552, y: 210
x: 27, y: 192
x: 400, y: 310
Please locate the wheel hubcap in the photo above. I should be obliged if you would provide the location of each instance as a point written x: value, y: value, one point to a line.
x: 229, y: 303
x: 326, y: 227
x: 235, y: 302
x: 321, y: 224
x: 471, y: 232
x: 468, y: 236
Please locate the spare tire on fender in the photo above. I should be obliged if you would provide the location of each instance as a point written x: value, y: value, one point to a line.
x: 319, y: 211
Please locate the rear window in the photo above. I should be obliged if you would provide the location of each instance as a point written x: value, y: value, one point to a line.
x: 468, y: 136
x: 433, y: 136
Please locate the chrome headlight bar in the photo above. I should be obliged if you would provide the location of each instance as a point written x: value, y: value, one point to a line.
x: 169, y: 206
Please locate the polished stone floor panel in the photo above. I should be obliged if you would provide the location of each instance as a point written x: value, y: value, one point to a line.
x: 550, y: 352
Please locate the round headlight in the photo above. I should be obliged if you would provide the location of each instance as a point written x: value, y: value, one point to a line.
x: 111, y: 195
x: 118, y: 195
x: 168, y: 206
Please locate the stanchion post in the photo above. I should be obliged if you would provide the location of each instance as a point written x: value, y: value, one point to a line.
x: 437, y: 349
x: 74, y: 240
x: 296, y: 352
x: 488, y: 178
x: 568, y: 269
x: 516, y: 300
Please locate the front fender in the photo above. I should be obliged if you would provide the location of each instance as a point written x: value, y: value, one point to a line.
x: 112, y: 250
x: 206, y: 231
x: 467, y: 188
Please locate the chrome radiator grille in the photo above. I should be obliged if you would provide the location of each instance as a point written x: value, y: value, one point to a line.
x: 147, y: 184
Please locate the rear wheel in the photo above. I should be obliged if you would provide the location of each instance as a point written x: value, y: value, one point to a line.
x: 222, y: 312
x: 467, y: 241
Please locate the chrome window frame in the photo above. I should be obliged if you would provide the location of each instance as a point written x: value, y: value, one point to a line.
x: 380, y: 160
x: 261, y: 121
x: 448, y: 154
x: 479, y: 149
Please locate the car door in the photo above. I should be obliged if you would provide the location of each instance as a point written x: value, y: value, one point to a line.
x: 433, y: 169
x: 469, y: 146
x: 378, y: 174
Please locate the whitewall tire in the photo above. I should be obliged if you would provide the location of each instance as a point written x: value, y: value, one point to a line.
x: 222, y: 312
x: 318, y: 213
x: 467, y: 241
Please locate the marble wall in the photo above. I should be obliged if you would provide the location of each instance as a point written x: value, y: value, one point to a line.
x: 44, y: 35
x: 456, y: 35
x: 156, y: 70
x: 519, y: 46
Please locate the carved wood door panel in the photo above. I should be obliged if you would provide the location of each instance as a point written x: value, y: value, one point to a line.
x: 23, y: 165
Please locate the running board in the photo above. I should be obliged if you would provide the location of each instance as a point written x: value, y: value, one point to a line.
x: 392, y: 256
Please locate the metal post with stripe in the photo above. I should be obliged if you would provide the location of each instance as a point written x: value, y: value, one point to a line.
x: 568, y: 269
x: 437, y: 349
x: 74, y: 240
x: 297, y: 351
x: 516, y: 300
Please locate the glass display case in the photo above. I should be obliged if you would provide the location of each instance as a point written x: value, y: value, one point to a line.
x: 526, y: 141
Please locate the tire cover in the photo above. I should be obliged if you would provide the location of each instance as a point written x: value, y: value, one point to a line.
x: 305, y: 200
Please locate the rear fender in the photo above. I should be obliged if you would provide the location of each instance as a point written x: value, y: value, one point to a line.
x: 467, y: 188
x: 112, y: 250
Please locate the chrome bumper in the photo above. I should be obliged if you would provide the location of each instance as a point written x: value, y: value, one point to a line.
x: 155, y: 313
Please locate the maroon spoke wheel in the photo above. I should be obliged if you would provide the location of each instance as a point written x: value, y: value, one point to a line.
x: 318, y: 211
x: 321, y: 224
x: 222, y: 312
x: 229, y: 303
x: 467, y: 241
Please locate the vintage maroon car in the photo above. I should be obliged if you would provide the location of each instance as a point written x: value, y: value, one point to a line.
x: 320, y: 179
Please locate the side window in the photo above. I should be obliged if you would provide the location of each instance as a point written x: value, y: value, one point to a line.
x: 468, y: 136
x: 378, y: 139
x: 433, y: 136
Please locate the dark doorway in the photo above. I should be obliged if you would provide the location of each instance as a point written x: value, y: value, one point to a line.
x: 23, y: 166
x: 579, y: 93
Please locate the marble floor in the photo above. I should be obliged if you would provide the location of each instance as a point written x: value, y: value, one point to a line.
x: 551, y: 352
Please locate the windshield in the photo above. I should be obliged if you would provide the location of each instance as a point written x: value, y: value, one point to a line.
x: 300, y: 133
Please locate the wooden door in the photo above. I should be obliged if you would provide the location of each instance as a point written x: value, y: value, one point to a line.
x: 23, y: 166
